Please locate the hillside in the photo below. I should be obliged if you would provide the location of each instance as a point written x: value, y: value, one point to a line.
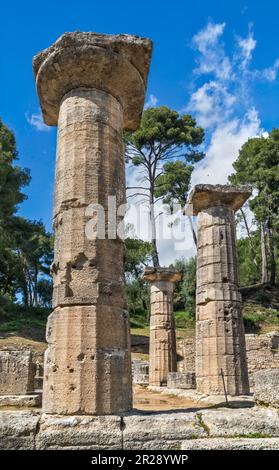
x: 27, y: 327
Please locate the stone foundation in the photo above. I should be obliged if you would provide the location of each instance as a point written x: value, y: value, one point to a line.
x: 141, y: 431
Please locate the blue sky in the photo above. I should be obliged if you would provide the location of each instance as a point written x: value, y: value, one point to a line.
x: 218, y: 60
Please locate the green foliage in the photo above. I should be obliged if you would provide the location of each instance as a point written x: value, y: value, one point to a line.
x: 164, y: 135
x: 185, y: 290
x: 18, y: 318
x: 138, y: 254
x: 257, y: 164
x: 167, y: 128
x: 257, y: 318
x: 174, y: 183
x: 184, y: 319
x: 248, y: 271
x: 12, y: 177
x: 26, y: 249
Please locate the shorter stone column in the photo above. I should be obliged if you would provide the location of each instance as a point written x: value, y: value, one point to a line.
x: 220, y: 338
x: 162, y: 349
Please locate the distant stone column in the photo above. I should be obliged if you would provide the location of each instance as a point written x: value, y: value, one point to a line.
x: 220, y: 338
x: 162, y: 349
x: 92, y: 86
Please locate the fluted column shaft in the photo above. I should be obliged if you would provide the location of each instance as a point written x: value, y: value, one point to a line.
x: 87, y: 365
x: 162, y: 351
x: 220, y: 338
x: 162, y: 342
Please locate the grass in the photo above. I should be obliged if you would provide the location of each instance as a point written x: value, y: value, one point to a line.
x: 258, y: 318
x: 21, y: 324
x: 18, y: 320
x: 202, y: 424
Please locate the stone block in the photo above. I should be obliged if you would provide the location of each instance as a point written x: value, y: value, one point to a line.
x: 160, y: 431
x: 140, y: 372
x: 232, y: 444
x: 18, y: 430
x: 241, y: 422
x: 266, y: 387
x: 79, y: 432
x: 16, y: 372
x: 21, y: 401
x: 182, y: 380
x: 88, y: 358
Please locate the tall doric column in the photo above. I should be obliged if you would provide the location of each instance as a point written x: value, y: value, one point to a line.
x: 162, y: 349
x: 92, y: 86
x: 220, y: 338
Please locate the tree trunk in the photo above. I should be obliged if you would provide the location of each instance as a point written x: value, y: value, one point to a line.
x: 264, y: 277
x: 250, y: 241
x: 155, y: 256
x: 193, y: 230
x: 272, y: 278
x: 36, y: 287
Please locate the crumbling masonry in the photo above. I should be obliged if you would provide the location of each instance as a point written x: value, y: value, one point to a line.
x: 162, y: 349
x: 92, y: 86
x: 220, y: 338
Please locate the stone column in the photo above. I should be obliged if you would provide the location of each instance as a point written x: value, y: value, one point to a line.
x: 162, y: 349
x: 92, y: 86
x: 220, y: 338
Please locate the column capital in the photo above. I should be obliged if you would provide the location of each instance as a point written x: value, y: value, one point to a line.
x: 116, y: 64
x: 204, y: 196
x: 161, y: 274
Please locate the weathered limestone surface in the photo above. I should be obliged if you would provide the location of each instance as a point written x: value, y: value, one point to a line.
x: 162, y: 350
x: 79, y: 432
x: 262, y: 353
x: 182, y: 380
x: 206, y: 428
x: 92, y: 86
x: 232, y: 444
x: 18, y: 430
x: 16, y: 372
x: 220, y: 338
x: 140, y: 372
x: 266, y: 389
x: 160, y: 431
x: 241, y: 422
x: 21, y: 401
x: 117, y: 64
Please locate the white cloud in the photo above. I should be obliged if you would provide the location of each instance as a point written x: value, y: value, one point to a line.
x: 269, y: 73
x: 246, y: 47
x: 36, y: 121
x: 225, y: 142
x: 212, y: 57
x: 151, y: 102
x: 223, y: 104
x: 211, y: 103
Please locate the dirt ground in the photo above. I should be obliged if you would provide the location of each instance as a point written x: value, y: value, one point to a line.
x: 147, y: 400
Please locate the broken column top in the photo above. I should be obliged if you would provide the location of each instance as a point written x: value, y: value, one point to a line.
x: 161, y: 274
x: 117, y: 64
x: 204, y: 196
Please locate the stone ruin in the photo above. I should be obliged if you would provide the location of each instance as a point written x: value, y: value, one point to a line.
x: 92, y: 86
x: 162, y: 349
x: 17, y: 378
x: 220, y: 337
